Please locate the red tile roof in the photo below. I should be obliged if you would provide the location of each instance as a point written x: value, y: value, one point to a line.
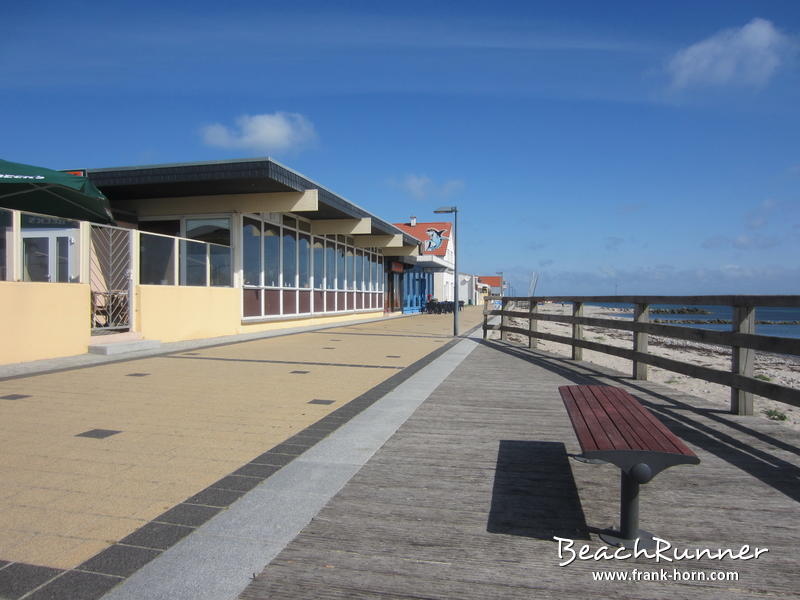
x: 491, y: 280
x: 434, y: 236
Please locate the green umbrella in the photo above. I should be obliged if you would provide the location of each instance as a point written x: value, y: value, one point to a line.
x: 40, y: 190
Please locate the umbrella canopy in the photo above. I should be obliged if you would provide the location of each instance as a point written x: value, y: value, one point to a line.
x: 40, y: 190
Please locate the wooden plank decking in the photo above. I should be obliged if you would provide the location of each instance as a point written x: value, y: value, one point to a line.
x: 464, y: 500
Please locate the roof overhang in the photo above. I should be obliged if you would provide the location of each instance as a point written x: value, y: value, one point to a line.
x: 242, y: 185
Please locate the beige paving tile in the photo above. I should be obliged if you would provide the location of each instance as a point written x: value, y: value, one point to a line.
x: 56, y: 551
x: 189, y: 422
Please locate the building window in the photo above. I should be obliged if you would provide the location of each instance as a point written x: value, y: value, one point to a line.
x: 304, y: 261
x: 251, y: 251
x: 214, y: 231
x: 283, y: 263
x: 5, y: 241
x: 319, y: 265
x: 272, y: 255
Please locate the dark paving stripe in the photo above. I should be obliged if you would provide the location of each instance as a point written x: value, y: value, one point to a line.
x: 316, y: 401
x: 76, y: 585
x: 120, y: 561
x: 103, y: 571
x: 98, y: 434
x: 273, y: 458
x: 158, y: 536
x: 284, y: 362
x: 215, y: 497
x: 257, y: 470
x: 17, y: 579
x: 237, y: 483
x: 15, y: 396
x: 191, y: 515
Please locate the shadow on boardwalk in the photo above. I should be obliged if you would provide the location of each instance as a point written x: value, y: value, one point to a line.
x: 464, y: 500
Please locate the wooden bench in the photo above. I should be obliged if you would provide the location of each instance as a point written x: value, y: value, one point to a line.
x: 613, y: 427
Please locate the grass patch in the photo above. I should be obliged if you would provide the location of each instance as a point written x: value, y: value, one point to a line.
x: 774, y: 414
x: 763, y: 377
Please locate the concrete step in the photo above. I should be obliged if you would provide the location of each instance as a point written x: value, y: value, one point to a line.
x: 120, y: 343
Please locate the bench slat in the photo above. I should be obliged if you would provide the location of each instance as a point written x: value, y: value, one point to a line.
x: 589, y: 404
x: 579, y: 424
x: 675, y: 443
x: 637, y: 438
x: 653, y: 436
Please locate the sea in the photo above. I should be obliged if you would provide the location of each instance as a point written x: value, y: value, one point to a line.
x: 763, y: 313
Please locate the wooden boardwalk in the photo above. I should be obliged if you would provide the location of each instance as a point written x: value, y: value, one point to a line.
x: 464, y: 500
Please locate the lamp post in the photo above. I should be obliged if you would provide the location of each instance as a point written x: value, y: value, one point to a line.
x: 501, y: 281
x: 454, y: 210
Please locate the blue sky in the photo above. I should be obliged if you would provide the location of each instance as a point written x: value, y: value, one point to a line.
x: 630, y: 147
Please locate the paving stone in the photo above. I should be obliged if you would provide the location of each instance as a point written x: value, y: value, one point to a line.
x: 159, y: 536
x: 121, y: 561
x: 191, y: 515
x: 76, y: 585
x: 17, y: 579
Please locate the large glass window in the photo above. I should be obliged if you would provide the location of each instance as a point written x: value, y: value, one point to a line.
x: 251, y: 251
x: 50, y: 249
x: 156, y: 260
x: 359, y: 270
x: 5, y: 240
x: 289, y: 258
x: 166, y: 227
x: 272, y: 255
x: 304, y: 261
x: 340, y: 266
x: 319, y: 264
x: 330, y: 264
x: 349, y: 268
x: 214, y: 231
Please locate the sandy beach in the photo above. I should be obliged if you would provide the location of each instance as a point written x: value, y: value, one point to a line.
x: 784, y: 370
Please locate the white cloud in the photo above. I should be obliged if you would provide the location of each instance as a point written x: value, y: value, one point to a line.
x: 276, y: 132
x: 748, y: 56
x: 422, y: 187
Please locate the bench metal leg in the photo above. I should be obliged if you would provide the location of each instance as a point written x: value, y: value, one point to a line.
x: 629, y: 517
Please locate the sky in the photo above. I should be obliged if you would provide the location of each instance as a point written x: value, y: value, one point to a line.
x: 608, y: 147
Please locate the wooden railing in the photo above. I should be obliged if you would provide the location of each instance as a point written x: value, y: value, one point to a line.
x: 742, y: 338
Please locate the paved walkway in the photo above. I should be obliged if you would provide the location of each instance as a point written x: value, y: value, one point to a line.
x: 464, y: 500
x: 106, y: 468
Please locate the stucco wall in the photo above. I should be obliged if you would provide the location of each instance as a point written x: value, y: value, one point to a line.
x: 43, y: 320
x: 173, y: 313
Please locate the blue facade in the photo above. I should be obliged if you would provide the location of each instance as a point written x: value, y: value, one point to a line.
x: 416, y: 287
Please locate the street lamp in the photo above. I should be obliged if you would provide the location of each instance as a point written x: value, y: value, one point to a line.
x: 454, y: 210
x: 501, y: 281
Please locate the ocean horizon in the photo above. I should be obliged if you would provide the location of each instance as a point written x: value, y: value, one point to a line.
x: 713, y: 312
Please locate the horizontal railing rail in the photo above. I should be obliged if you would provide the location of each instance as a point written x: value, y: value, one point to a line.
x: 742, y: 339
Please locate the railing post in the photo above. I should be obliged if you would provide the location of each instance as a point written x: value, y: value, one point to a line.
x: 503, y: 303
x: 577, y: 331
x: 532, y: 324
x: 485, y: 315
x: 744, y: 321
x: 641, y: 314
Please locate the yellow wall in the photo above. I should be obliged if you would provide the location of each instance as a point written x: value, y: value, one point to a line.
x: 43, y: 320
x: 51, y: 320
x: 175, y: 313
x: 172, y: 313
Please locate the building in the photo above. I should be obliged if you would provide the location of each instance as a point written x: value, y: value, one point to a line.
x: 431, y: 275
x: 203, y: 250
